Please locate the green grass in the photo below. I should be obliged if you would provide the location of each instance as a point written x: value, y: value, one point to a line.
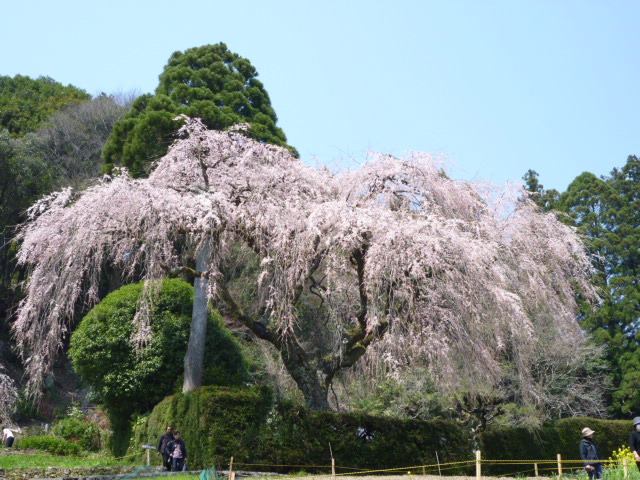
x: 46, y: 460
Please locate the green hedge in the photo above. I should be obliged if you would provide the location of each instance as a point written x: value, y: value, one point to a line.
x: 218, y: 423
x: 561, y: 436
x: 297, y: 436
x: 215, y: 423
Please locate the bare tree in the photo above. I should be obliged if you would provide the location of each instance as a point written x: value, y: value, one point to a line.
x: 439, y: 268
x: 71, y: 141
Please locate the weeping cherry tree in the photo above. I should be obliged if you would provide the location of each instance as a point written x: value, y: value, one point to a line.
x: 397, y: 251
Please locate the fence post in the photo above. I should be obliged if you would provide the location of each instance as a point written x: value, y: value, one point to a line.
x: 231, y: 475
x: 559, y: 466
x: 535, y: 465
x: 625, y: 468
x: 333, y: 467
x: 478, y: 468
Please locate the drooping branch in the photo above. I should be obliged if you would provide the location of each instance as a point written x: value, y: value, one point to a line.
x: 414, y: 263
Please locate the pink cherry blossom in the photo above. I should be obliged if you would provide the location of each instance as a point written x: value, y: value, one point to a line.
x: 409, y: 257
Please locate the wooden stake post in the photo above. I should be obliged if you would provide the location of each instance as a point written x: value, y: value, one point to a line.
x: 625, y: 468
x: 232, y: 474
x: 478, y: 467
x: 559, y: 466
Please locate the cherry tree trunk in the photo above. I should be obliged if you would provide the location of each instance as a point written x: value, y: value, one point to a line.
x: 194, y: 358
x: 305, y: 375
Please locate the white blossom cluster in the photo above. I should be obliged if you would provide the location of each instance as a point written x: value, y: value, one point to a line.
x: 8, y: 398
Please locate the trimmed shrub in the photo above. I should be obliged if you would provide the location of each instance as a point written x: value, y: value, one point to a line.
x: 215, y: 423
x: 298, y: 436
x: 218, y: 423
x: 129, y: 382
x: 49, y: 443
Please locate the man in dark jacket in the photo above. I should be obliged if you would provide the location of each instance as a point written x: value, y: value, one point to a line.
x: 162, y: 448
x: 634, y: 440
x: 178, y: 451
x: 589, y: 452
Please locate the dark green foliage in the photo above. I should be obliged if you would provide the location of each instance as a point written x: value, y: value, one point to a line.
x: 297, y: 436
x: 25, y: 106
x: 562, y: 436
x: 26, y: 103
x: 79, y: 431
x: 607, y: 212
x: 545, y: 199
x: 128, y: 382
x: 208, y: 82
x: 26, y: 408
x: 23, y: 179
x: 219, y: 423
x: 214, y: 422
x: 49, y: 443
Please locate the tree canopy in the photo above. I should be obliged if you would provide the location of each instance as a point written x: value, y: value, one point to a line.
x: 605, y: 210
x: 26, y: 103
x: 208, y: 82
x: 71, y: 141
x: 396, y: 254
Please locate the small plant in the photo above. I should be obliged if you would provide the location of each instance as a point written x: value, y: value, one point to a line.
x: 621, y: 454
x: 25, y: 407
x: 615, y: 464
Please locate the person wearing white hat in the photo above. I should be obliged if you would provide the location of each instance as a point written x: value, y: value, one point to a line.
x: 634, y: 440
x: 589, y: 452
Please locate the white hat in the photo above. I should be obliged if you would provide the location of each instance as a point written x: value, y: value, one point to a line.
x: 587, y: 431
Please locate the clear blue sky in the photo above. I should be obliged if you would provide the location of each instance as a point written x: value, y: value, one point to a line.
x: 498, y: 86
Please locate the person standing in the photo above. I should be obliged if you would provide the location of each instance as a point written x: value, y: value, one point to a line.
x: 178, y: 451
x: 634, y: 441
x: 7, y: 437
x: 162, y: 448
x: 589, y: 452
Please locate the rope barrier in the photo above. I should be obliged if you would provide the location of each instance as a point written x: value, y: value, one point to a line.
x: 541, y: 465
x: 296, y: 466
x: 415, y: 467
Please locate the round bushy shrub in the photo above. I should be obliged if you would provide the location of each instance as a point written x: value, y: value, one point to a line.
x: 129, y: 381
x: 81, y: 432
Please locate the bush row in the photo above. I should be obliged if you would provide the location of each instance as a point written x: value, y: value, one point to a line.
x: 561, y: 436
x: 49, y: 443
x: 219, y: 423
